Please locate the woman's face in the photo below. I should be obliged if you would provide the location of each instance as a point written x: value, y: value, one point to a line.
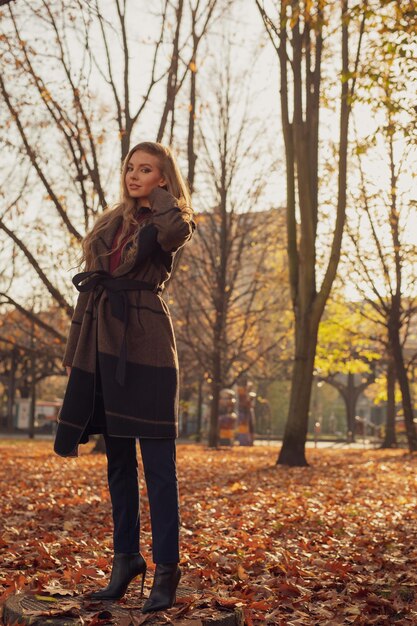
x: 143, y: 175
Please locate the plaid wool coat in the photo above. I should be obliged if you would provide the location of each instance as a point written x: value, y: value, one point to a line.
x: 121, y: 323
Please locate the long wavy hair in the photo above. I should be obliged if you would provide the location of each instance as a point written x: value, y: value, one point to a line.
x: 128, y: 206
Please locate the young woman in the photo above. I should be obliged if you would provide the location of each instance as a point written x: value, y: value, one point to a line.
x: 122, y: 363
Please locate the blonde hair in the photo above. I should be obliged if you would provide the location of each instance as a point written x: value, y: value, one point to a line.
x: 175, y: 184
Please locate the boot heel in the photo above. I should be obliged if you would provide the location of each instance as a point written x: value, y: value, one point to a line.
x: 126, y: 568
x: 163, y: 593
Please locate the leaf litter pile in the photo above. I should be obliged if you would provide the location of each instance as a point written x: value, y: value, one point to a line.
x: 333, y: 543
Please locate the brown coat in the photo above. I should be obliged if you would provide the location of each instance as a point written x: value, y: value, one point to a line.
x: 128, y: 330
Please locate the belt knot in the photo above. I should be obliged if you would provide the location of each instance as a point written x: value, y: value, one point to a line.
x: 116, y: 288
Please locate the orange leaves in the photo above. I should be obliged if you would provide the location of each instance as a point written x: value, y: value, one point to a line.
x: 88, y: 572
x: 237, y: 487
x: 331, y: 544
x: 228, y: 602
x: 341, y: 569
x: 243, y: 575
x: 287, y: 589
x: 102, y: 562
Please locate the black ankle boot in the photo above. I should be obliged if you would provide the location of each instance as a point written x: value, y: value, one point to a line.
x: 164, y: 587
x: 125, y: 568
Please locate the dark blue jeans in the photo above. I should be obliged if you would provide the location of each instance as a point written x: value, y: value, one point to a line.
x: 159, y: 464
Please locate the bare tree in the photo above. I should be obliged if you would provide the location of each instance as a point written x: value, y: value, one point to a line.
x: 230, y: 321
x: 199, y: 23
x: 69, y: 90
x: 297, y: 34
x: 385, y: 270
x: 385, y: 255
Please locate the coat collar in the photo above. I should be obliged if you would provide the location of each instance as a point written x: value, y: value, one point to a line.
x: 103, y: 244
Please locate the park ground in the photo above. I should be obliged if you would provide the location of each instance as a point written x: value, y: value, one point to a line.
x: 333, y: 543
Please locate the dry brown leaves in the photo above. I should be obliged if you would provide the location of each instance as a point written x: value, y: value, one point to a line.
x: 333, y: 543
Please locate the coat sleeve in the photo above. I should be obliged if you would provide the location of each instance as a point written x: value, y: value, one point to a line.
x: 75, y: 328
x: 175, y: 227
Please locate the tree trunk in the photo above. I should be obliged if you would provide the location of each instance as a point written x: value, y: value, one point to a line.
x: 390, y: 439
x: 401, y: 372
x: 172, y: 81
x: 32, y: 394
x: 292, y: 450
x: 199, y: 408
x: 350, y: 394
x: 350, y: 397
x: 213, y: 437
x: 11, y: 394
x: 221, y: 312
x: 192, y: 157
x: 186, y: 396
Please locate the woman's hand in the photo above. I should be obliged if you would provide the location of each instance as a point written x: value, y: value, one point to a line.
x: 161, y: 199
x: 174, y: 226
x: 68, y: 370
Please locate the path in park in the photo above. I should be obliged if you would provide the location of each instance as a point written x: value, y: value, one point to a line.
x: 360, y: 444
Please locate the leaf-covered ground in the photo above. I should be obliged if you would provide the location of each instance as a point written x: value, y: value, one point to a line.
x: 333, y: 543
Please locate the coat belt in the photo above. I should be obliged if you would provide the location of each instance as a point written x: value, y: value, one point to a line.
x: 116, y: 288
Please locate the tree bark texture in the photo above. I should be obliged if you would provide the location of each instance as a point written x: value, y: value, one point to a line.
x: 390, y: 439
